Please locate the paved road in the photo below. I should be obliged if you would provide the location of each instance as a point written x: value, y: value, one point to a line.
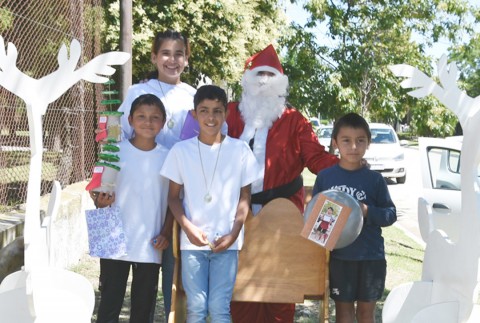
x: 405, y: 196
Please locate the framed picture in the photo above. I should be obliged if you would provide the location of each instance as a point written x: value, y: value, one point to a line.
x: 325, y: 222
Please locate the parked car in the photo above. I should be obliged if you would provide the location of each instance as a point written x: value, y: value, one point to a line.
x: 439, y: 206
x: 385, y: 153
x: 324, y: 135
x: 315, y: 123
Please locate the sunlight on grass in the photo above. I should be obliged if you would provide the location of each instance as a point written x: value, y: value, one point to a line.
x: 308, y: 178
x: 404, y: 264
x: 404, y: 257
x: 20, y: 173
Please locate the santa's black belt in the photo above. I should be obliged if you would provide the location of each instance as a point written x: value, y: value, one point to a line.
x: 284, y: 191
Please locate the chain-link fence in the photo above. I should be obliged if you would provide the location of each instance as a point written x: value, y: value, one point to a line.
x: 38, y: 28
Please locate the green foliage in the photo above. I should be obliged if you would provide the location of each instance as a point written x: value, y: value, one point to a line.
x: 467, y: 57
x: 351, y: 75
x: 306, y: 75
x: 430, y: 118
x: 223, y: 34
x: 6, y: 19
x: 367, y: 37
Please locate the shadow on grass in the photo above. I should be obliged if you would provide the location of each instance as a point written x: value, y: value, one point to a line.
x: 90, y: 268
x: 404, y: 262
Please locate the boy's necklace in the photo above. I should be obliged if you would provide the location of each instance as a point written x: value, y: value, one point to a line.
x: 208, y: 198
x: 170, y: 122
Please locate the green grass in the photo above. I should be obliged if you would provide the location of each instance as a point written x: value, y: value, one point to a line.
x: 404, y: 264
x: 404, y: 261
x: 20, y: 173
x: 404, y: 257
x: 308, y: 178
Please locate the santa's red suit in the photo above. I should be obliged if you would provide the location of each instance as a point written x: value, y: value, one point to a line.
x: 284, y: 143
x: 291, y: 146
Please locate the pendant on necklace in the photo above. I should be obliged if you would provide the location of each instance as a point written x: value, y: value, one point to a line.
x: 170, y: 123
x: 207, y: 198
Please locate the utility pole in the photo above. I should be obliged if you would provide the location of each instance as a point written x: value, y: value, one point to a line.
x: 126, y: 32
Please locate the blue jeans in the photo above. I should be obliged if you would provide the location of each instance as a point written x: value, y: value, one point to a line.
x: 208, y: 279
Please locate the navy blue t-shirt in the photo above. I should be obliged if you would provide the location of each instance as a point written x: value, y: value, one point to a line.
x: 370, y: 188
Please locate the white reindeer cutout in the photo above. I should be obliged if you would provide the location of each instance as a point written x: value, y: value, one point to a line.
x: 39, y: 293
x: 448, y: 287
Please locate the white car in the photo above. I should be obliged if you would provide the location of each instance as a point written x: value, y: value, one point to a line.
x: 385, y: 153
x: 315, y: 122
x: 324, y: 135
x: 439, y: 205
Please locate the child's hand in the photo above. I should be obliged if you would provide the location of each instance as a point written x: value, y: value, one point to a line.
x: 364, y: 209
x: 160, y: 242
x: 222, y: 243
x: 197, y: 237
x: 101, y: 199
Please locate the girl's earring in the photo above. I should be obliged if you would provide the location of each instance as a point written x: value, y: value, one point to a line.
x: 186, y: 69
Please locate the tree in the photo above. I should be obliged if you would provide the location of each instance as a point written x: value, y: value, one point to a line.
x: 467, y: 57
x: 368, y: 36
x: 223, y: 34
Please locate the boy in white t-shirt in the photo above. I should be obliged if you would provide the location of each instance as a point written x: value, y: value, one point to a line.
x: 141, y: 196
x: 215, y: 172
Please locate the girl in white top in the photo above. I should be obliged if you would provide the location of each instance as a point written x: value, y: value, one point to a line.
x: 141, y: 197
x: 170, y: 52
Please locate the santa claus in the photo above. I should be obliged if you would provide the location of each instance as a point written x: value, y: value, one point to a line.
x: 284, y: 143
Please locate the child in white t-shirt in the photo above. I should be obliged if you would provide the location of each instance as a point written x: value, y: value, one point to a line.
x: 141, y: 196
x: 215, y: 172
x: 170, y: 53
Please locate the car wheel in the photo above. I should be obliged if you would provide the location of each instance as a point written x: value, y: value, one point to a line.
x: 401, y: 180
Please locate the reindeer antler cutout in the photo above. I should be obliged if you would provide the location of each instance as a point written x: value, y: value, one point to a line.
x: 448, y: 93
x: 450, y: 268
x: 37, y: 94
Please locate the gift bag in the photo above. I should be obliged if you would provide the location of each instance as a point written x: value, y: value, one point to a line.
x: 106, y: 238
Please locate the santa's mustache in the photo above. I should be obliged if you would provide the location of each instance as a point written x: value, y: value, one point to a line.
x: 264, y: 85
x: 267, y: 87
x: 263, y: 80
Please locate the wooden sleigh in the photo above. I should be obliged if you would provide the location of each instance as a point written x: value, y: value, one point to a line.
x: 276, y: 264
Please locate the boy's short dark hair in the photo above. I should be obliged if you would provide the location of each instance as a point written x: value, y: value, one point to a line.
x: 351, y: 120
x: 210, y: 92
x: 148, y: 99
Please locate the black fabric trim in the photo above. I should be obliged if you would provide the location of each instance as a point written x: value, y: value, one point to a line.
x: 284, y: 191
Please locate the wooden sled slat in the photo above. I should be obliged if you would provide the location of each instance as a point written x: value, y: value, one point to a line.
x: 276, y: 264
x: 178, y: 310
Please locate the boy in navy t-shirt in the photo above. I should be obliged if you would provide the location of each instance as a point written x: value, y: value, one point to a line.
x: 358, y: 271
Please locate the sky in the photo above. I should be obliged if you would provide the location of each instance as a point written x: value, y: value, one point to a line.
x: 296, y: 13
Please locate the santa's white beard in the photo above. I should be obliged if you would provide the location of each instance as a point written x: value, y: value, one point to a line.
x: 263, y: 99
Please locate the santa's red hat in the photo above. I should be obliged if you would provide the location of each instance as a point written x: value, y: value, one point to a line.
x: 266, y: 60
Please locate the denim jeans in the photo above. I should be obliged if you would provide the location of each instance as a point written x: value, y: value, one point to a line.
x: 168, y: 263
x: 208, y: 279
